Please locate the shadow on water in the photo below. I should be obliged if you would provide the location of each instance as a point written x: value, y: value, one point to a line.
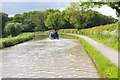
x: 41, y: 36
x: 45, y: 58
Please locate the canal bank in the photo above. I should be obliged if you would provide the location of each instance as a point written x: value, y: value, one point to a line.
x: 105, y: 67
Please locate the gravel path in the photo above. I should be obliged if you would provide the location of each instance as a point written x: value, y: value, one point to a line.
x: 107, y: 51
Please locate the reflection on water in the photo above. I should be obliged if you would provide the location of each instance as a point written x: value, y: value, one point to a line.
x: 45, y: 58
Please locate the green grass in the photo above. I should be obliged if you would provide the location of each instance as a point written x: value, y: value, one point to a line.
x: 38, y: 32
x: 105, y: 67
x: 6, y: 42
x: 106, y: 34
x: 65, y: 36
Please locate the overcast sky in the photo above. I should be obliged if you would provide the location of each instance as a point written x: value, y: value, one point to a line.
x: 8, y: 9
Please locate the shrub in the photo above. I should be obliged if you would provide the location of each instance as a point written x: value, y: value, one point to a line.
x: 6, y: 42
x: 14, y: 29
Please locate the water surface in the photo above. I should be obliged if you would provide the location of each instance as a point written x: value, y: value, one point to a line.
x: 45, y: 58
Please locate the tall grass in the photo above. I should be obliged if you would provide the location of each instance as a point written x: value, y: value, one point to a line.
x: 106, y: 34
x: 6, y: 42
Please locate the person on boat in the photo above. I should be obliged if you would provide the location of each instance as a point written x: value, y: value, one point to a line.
x: 56, y: 36
x: 52, y: 35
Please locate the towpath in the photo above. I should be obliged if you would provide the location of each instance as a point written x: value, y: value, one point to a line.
x: 107, y: 51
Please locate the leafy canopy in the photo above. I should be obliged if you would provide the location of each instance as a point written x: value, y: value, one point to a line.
x: 54, y: 21
x: 114, y: 4
x: 13, y: 29
x: 78, y: 18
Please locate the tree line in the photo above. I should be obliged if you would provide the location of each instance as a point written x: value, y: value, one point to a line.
x: 52, y: 19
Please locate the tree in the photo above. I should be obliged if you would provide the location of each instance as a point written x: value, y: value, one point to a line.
x: 28, y: 26
x: 3, y: 20
x: 13, y: 29
x: 78, y: 18
x: 38, y: 20
x: 55, y: 21
x: 18, y: 18
x: 18, y: 29
x: 91, y: 4
x: 86, y: 18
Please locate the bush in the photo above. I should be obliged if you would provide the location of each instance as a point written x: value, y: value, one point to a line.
x: 6, y: 42
x: 13, y: 29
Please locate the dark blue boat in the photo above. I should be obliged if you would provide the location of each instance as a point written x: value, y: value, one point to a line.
x: 54, y: 35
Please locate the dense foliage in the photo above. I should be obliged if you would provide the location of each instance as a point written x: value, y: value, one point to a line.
x: 13, y: 29
x: 3, y: 19
x: 86, y: 19
x: 55, y: 21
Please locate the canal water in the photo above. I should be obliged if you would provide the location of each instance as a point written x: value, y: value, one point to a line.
x: 45, y: 58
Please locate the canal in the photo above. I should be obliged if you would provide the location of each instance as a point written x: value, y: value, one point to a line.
x: 45, y: 58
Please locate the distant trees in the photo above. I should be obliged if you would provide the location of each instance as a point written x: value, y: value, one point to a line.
x: 74, y: 16
x: 18, y: 18
x: 3, y: 19
x: 13, y: 29
x: 55, y: 21
x: 80, y: 19
x: 26, y: 20
x: 86, y: 19
x: 96, y: 19
x: 38, y: 20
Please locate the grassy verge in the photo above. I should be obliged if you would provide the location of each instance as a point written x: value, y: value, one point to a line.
x: 106, y: 34
x: 105, y: 67
x: 38, y: 32
x: 6, y: 42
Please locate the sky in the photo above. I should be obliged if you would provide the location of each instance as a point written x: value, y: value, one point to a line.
x: 40, y: 0
x: 13, y: 7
